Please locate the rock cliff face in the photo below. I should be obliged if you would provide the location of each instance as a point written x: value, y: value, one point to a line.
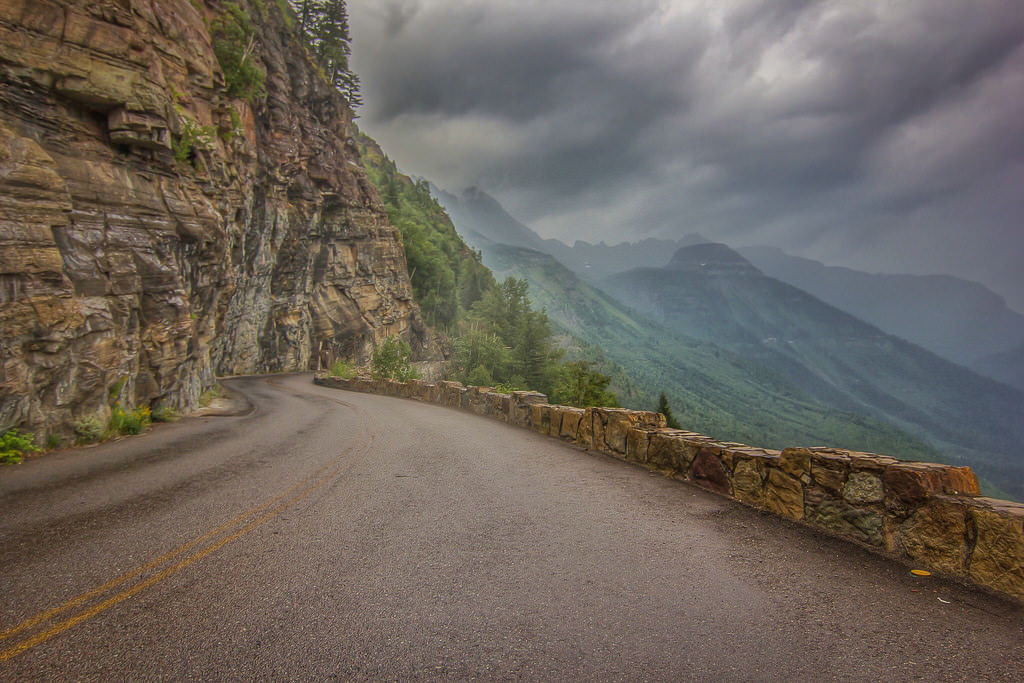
x: 128, y: 275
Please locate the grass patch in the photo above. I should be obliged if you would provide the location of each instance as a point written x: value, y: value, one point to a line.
x: 206, y: 398
x: 342, y: 369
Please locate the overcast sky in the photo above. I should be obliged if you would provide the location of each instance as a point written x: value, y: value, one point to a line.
x: 885, y: 135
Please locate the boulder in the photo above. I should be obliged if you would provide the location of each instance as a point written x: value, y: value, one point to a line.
x: 707, y: 470
x: 997, y: 560
x: 935, y: 535
x: 784, y: 493
x: 748, y: 483
x: 915, y: 482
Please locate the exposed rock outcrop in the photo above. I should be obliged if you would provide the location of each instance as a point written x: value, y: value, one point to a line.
x: 128, y: 275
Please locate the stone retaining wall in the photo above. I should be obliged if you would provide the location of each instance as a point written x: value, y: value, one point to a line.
x: 925, y: 514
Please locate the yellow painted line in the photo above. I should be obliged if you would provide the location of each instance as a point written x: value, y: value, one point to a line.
x: 84, y: 597
x: 142, y: 569
x: 156, y: 578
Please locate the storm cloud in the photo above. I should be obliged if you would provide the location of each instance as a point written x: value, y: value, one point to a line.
x: 882, y: 135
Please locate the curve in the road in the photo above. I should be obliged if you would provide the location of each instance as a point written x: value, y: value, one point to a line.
x: 262, y: 514
x: 329, y: 534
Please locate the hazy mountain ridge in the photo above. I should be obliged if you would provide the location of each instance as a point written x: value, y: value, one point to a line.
x: 711, y: 390
x: 960, y: 320
x: 833, y: 371
x: 483, y: 220
x: 1008, y: 366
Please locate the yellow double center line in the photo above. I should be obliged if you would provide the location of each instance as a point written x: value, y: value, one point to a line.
x: 269, y: 510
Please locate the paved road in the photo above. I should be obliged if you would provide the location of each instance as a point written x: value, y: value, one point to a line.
x: 337, y: 535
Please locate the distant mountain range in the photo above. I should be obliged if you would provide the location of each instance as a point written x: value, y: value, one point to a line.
x: 711, y: 389
x: 750, y: 357
x: 482, y: 220
x: 712, y: 293
x: 959, y: 320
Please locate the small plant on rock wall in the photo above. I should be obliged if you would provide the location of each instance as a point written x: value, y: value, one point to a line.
x: 234, y: 42
x: 191, y: 137
x: 14, y: 446
x: 235, y: 131
x: 89, y: 429
x: 391, y: 360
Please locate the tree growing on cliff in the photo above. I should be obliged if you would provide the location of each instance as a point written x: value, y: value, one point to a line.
x: 325, y: 26
x: 234, y: 42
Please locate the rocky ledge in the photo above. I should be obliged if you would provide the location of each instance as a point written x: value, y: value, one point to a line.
x: 129, y: 273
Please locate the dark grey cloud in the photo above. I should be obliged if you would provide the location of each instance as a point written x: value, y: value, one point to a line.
x: 883, y: 135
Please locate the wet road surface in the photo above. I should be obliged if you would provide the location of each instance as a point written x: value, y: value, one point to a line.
x: 328, y: 534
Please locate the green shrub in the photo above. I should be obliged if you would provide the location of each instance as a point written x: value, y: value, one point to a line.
x: 341, y: 369
x: 391, y: 361
x: 582, y: 386
x: 479, y: 377
x: 192, y: 136
x: 164, y: 413
x: 508, y: 387
x: 134, y: 422
x: 89, y: 429
x: 53, y: 440
x: 234, y: 40
x: 14, y: 445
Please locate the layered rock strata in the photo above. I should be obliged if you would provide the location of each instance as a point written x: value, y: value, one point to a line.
x: 925, y: 514
x: 127, y: 274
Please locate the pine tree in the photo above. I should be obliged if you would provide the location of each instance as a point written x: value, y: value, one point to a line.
x: 665, y: 410
x: 324, y: 23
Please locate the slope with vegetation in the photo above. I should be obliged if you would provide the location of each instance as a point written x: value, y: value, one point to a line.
x: 710, y: 389
x: 497, y: 339
x: 959, y: 320
x: 447, y: 276
x: 712, y: 293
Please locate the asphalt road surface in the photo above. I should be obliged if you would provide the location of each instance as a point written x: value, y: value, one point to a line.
x: 332, y: 535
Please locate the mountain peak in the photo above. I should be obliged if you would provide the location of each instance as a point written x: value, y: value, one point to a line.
x: 712, y: 258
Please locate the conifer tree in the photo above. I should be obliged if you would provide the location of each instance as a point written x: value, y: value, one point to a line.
x: 324, y: 23
x: 665, y: 410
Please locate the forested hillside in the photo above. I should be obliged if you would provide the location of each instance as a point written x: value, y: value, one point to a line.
x: 710, y: 389
x: 496, y: 337
x: 710, y: 292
